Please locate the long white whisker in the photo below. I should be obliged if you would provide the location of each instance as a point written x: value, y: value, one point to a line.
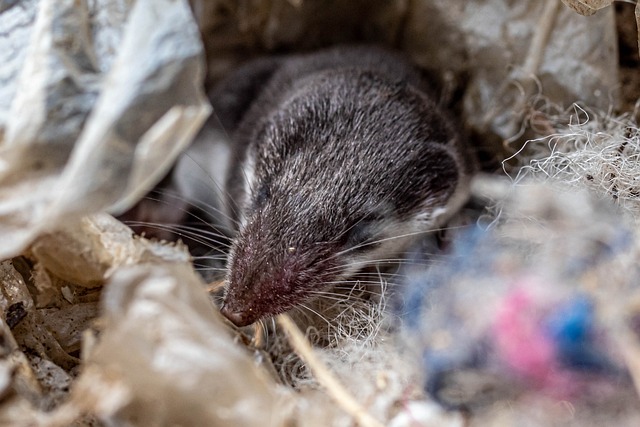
x: 374, y: 262
x: 206, y: 242
x: 205, y: 267
x: 306, y: 307
x: 201, y: 231
x: 177, y: 196
x: 235, y: 207
x: 188, y: 231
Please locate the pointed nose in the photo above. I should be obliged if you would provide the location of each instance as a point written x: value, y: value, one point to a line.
x: 238, y: 318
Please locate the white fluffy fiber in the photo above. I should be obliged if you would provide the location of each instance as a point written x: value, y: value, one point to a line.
x: 587, y: 149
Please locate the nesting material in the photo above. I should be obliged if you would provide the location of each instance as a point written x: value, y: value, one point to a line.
x: 534, y: 309
x: 77, y: 138
x: 48, y: 306
x: 145, y: 346
x: 530, y: 320
x: 587, y: 7
x: 587, y: 148
x: 180, y: 365
x: 498, y: 52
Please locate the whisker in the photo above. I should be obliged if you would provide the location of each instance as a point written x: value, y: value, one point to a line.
x: 327, y: 293
x: 206, y: 242
x: 343, y: 298
x: 177, y: 196
x: 218, y: 126
x: 205, y: 267
x: 386, y: 239
x: 233, y: 205
x: 300, y: 310
x: 201, y: 231
x: 306, y: 307
x: 353, y: 282
x: 395, y: 261
x: 196, y: 231
x: 216, y: 257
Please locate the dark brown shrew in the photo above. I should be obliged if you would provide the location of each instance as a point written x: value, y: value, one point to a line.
x: 335, y: 156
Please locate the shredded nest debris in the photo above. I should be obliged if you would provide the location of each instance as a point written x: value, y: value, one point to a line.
x: 526, y: 313
x: 587, y: 149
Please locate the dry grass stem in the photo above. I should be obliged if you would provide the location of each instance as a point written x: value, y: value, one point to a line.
x: 341, y: 396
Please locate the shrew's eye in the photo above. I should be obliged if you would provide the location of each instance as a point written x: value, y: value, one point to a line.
x: 361, y: 235
x: 262, y: 195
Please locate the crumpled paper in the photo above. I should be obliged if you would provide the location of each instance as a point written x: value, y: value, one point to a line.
x: 97, y: 106
x: 86, y: 253
x: 149, y: 347
x: 114, y: 95
x: 45, y: 318
x: 167, y: 343
x: 587, y: 7
x: 165, y: 356
x: 83, y: 135
x: 510, y: 51
x: 501, y: 53
x: 533, y: 309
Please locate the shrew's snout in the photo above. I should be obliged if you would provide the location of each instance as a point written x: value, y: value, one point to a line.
x: 238, y: 317
x: 266, y: 277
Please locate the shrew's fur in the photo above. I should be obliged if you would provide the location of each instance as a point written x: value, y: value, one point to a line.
x: 336, y: 156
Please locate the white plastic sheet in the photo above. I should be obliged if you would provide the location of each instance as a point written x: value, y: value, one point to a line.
x: 84, y: 135
x: 492, y: 43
